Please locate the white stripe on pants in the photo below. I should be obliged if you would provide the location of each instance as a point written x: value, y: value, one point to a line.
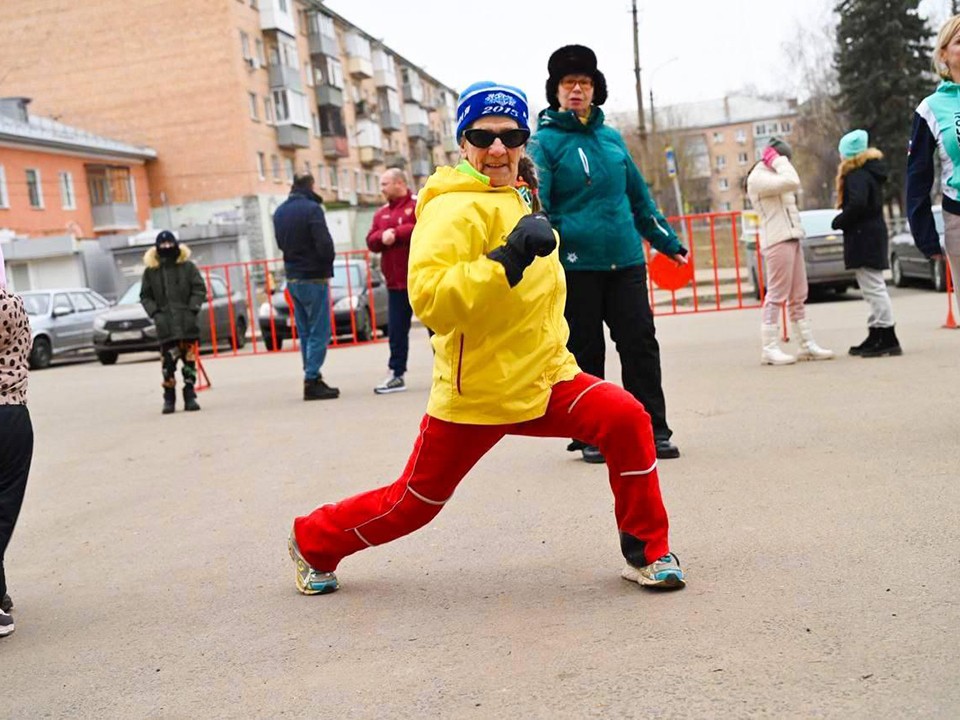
x: 874, y: 290
x: 951, y: 241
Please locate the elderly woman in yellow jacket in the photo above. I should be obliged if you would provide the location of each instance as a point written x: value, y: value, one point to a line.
x: 485, y: 276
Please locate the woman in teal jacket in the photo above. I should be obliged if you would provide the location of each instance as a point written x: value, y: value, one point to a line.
x: 597, y: 199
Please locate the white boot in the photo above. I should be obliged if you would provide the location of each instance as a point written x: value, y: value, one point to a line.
x: 809, y: 350
x: 772, y: 354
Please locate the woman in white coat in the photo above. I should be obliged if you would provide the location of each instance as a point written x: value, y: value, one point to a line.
x: 772, y: 185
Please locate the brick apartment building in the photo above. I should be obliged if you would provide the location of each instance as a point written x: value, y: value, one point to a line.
x: 235, y: 96
x: 717, y: 142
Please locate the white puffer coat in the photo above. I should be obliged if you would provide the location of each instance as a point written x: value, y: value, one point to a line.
x: 772, y: 192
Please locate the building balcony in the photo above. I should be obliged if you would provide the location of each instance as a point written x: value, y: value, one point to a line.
x: 450, y: 144
x: 293, y: 136
x: 370, y: 156
x: 335, y: 147
x: 394, y: 159
x: 417, y: 131
x: 429, y: 103
x: 282, y: 76
x: 329, y: 96
x: 275, y: 18
x: 412, y: 93
x: 324, y: 45
x: 360, y: 67
x: 390, y: 121
x: 114, y: 216
x: 433, y: 138
x: 421, y: 168
x: 385, y: 79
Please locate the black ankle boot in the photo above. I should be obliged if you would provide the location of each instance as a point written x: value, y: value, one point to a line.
x: 190, y: 399
x: 886, y: 344
x: 592, y: 455
x: 319, y: 390
x: 872, y: 335
x: 169, y: 400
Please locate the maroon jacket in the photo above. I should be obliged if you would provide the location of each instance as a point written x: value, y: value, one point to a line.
x: 400, y: 215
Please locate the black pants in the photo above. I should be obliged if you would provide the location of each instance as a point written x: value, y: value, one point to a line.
x: 399, y: 315
x: 16, y: 452
x: 618, y: 298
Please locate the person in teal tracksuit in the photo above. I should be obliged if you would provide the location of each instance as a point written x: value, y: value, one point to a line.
x: 597, y: 199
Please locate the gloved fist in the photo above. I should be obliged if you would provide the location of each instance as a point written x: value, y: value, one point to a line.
x: 533, y: 236
x: 769, y: 155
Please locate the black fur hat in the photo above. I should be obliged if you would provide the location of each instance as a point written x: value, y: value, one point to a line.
x: 574, y: 60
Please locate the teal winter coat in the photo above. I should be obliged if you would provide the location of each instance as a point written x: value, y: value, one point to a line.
x: 594, y: 194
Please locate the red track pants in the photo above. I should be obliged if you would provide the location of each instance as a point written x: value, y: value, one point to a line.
x: 597, y: 412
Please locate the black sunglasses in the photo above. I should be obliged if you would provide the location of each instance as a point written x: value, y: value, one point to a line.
x: 484, y: 138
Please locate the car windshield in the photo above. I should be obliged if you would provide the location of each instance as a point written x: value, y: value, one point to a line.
x: 36, y: 303
x: 817, y: 222
x: 340, y: 276
x: 131, y: 296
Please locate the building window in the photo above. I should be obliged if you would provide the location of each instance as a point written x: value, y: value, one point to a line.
x: 281, y: 107
x: 283, y: 6
x: 275, y: 163
x: 288, y: 165
x: 724, y: 184
x: 345, y: 180
x: 67, y: 197
x: 741, y: 136
x: 316, y: 124
x: 321, y: 175
x: 261, y: 60
x: 786, y: 127
x: 718, y: 137
x: 261, y: 166
x: 254, y: 113
x: 109, y: 185
x: 308, y: 73
x: 721, y: 162
x: 245, y: 45
x: 268, y: 111
x: 358, y: 181
x: 742, y: 158
x: 333, y: 178
x: 33, y: 189
x: 726, y: 207
x: 4, y: 197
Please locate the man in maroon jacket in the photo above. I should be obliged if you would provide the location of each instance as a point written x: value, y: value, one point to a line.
x: 390, y: 235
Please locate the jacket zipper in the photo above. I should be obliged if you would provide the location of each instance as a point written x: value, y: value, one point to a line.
x: 460, y: 366
x: 586, y: 164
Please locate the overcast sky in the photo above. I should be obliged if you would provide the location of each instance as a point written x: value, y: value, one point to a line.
x: 719, y: 46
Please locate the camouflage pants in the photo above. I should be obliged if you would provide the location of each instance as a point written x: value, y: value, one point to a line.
x: 185, y: 351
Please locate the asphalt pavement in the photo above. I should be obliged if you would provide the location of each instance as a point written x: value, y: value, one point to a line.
x: 815, y: 510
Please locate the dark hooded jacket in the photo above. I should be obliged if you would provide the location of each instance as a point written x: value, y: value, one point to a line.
x: 172, y: 292
x: 303, y: 237
x: 860, y: 182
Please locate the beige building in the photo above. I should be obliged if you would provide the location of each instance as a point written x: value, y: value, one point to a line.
x: 235, y: 96
x: 717, y: 142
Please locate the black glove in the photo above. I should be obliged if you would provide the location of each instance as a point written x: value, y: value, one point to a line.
x: 531, y: 238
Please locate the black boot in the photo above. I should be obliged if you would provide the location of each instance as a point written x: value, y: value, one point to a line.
x: 169, y: 400
x: 576, y: 445
x: 592, y: 455
x: 319, y: 390
x: 872, y: 335
x: 665, y: 449
x: 886, y: 344
x: 190, y: 399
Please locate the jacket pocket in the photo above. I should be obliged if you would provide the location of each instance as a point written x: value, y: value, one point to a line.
x: 459, y: 372
x: 162, y: 321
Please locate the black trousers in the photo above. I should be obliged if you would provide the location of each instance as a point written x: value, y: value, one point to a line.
x: 618, y: 298
x: 399, y: 317
x: 16, y: 452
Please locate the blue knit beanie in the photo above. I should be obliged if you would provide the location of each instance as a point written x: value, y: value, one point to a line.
x: 490, y: 98
x: 854, y: 143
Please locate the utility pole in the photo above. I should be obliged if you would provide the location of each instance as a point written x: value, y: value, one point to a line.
x: 636, y: 71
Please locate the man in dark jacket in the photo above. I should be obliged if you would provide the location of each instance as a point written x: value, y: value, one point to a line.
x: 172, y: 291
x: 390, y: 235
x: 304, y: 240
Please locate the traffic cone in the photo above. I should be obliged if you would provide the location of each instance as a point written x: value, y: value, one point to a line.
x: 950, y: 323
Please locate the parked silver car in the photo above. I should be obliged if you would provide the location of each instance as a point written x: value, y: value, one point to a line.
x: 822, y: 254
x: 62, y: 322
x: 907, y: 263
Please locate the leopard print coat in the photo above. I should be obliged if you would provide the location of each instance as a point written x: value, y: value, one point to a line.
x: 14, y: 349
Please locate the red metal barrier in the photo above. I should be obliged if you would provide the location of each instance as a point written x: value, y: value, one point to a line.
x: 950, y: 323
x: 263, y: 312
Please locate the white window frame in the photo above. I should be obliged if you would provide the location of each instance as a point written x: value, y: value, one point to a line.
x: 717, y: 138
x: 741, y: 136
x: 721, y: 162
x: 743, y: 158
x: 786, y: 127
x: 39, y: 181
x: 261, y: 58
x: 261, y: 165
x: 289, y: 168
x: 316, y: 124
x: 723, y: 184
x: 245, y: 46
x: 68, y: 197
x: 322, y: 176
x: 269, y: 117
x: 4, y: 196
x: 275, y: 167
x: 254, y: 109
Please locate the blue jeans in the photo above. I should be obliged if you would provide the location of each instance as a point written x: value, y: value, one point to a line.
x: 399, y: 314
x: 311, y: 310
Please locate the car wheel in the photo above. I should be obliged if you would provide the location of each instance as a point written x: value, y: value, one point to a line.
x: 271, y: 343
x: 241, y: 331
x: 41, y: 354
x: 364, y: 326
x: 841, y: 289
x: 939, y: 275
x: 896, y: 269
x: 107, y: 357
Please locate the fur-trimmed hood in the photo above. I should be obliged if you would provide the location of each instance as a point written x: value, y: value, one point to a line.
x: 876, y: 167
x: 152, y: 260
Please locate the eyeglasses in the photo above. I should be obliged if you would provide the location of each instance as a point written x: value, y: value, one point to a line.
x: 568, y: 83
x: 513, y: 138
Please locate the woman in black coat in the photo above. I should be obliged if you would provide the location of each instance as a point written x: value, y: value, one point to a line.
x: 860, y: 179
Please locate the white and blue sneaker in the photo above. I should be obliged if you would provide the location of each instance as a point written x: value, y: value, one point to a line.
x: 6, y: 623
x: 310, y: 581
x: 392, y: 384
x: 663, y: 573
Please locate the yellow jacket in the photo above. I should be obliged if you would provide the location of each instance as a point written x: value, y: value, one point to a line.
x: 498, y: 350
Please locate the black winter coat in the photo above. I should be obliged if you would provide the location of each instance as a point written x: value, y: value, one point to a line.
x: 172, y: 292
x: 303, y: 238
x: 860, y: 193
